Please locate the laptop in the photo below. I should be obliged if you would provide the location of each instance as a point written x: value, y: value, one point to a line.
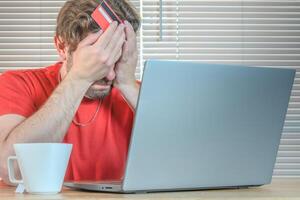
x: 203, y: 126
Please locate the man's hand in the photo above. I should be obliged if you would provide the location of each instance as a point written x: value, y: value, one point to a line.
x: 97, y: 53
x: 126, y: 66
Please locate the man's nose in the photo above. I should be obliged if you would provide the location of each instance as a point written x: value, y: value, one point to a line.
x: 111, y: 75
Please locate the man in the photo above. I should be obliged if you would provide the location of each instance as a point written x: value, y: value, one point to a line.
x: 87, y: 99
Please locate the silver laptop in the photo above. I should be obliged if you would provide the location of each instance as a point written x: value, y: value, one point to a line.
x: 203, y: 126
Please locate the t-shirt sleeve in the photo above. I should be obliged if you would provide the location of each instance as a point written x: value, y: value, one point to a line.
x: 15, y: 96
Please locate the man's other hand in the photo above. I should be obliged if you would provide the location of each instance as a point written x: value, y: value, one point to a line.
x: 126, y: 66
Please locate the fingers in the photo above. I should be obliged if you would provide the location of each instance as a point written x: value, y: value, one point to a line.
x: 110, y: 43
x: 125, y: 52
x: 118, y: 56
x: 130, y: 34
x: 90, y: 39
x: 107, y: 35
x: 130, y: 46
x: 117, y: 40
x: 116, y: 52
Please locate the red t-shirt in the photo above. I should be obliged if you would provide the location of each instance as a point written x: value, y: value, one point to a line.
x: 99, y: 149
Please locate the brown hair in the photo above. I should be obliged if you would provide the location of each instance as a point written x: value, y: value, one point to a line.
x: 74, y: 20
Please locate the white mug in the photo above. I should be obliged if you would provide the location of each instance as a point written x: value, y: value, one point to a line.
x: 42, y: 165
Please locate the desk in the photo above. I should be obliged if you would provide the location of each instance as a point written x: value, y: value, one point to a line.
x: 279, y: 189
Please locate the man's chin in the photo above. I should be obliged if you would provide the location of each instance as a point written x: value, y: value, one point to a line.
x: 93, y: 93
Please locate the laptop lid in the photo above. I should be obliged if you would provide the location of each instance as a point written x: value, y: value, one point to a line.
x: 206, y: 125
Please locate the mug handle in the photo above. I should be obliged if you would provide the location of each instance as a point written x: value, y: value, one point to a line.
x: 11, y: 171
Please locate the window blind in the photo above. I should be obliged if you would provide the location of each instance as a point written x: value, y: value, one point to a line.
x: 27, y: 28
x: 247, y: 32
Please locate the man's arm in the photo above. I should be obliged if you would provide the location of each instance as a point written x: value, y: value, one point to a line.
x: 126, y: 66
x: 131, y: 93
x: 48, y: 124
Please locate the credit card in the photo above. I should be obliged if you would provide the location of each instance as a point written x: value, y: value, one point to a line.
x: 104, y: 15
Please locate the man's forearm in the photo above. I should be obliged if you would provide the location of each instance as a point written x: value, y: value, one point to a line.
x: 51, y: 121
x: 130, y: 93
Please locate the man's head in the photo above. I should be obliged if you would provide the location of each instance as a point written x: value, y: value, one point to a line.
x: 74, y: 23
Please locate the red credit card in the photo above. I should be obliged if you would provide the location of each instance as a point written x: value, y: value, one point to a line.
x: 104, y: 15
